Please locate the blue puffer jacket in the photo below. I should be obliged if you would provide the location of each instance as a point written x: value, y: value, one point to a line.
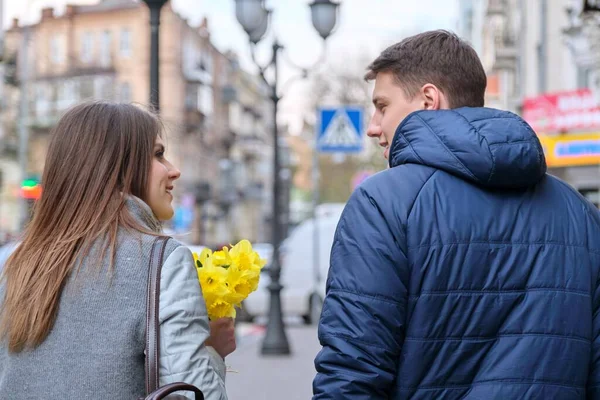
x: 463, y: 272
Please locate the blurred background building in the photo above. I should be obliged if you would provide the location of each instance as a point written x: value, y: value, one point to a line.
x: 216, y: 115
x: 543, y: 62
x: 249, y: 163
x: 542, y: 58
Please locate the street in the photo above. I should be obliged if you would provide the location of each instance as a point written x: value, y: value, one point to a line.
x: 274, y: 377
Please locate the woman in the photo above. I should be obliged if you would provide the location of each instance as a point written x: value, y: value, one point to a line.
x: 72, y: 321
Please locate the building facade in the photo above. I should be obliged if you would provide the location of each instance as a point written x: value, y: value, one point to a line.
x: 248, y: 167
x: 101, y: 51
x: 542, y: 58
x: 561, y: 61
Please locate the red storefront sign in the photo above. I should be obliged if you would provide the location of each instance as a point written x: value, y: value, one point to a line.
x: 577, y: 110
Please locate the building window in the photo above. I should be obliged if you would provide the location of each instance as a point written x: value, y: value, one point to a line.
x: 206, y: 61
x: 42, y: 100
x: 205, y: 100
x: 206, y: 66
x: 66, y: 94
x: 191, y: 97
x: 225, y: 73
x: 87, y: 47
x: 105, y: 53
x: 125, y: 93
x: 125, y: 43
x: 56, y: 49
x: 469, y: 22
x: 583, y: 77
x: 86, y: 87
x: 103, y: 88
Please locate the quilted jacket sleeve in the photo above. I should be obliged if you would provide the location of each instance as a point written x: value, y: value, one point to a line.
x: 362, y: 323
x: 184, y: 328
x: 593, y: 384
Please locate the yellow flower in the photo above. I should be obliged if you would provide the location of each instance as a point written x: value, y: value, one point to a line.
x: 202, y: 259
x: 259, y: 262
x: 221, y: 309
x: 221, y: 258
x: 254, y: 282
x: 227, y: 277
x: 234, y: 298
x: 245, y: 258
x: 213, y: 281
x: 239, y: 281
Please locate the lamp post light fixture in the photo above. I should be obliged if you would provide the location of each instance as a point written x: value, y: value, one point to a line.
x: 254, y: 19
x: 582, y: 36
x: 154, y: 6
x: 591, y: 6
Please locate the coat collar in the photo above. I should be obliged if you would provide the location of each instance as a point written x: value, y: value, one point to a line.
x: 142, y: 213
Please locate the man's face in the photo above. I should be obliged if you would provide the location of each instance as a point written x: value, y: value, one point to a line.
x: 391, y: 107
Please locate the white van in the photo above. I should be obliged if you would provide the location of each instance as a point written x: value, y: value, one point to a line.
x: 302, y: 276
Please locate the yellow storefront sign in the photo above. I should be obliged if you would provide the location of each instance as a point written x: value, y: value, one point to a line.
x: 571, y: 150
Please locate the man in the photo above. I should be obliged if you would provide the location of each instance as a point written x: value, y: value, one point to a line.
x: 463, y: 271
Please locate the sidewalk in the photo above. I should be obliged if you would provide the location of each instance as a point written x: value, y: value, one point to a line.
x: 274, y: 377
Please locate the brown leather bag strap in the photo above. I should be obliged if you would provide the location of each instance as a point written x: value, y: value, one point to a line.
x: 166, y: 390
x: 152, y: 303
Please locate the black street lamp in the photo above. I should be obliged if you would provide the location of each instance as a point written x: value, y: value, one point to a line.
x: 254, y: 18
x: 591, y: 6
x: 155, y: 6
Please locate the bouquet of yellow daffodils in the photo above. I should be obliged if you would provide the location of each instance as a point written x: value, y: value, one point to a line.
x: 227, y: 277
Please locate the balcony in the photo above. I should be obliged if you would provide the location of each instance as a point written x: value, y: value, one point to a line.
x: 9, y: 148
x: 43, y: 123
x: 196, y: 71
x: 250, y: 146
x: 496, y: 8
x: 506, y: 57
x: 229, y: 94
x: 74, y: 67
x: 254, y: 190
x: 194, y: 120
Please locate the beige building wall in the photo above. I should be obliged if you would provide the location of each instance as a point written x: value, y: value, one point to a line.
x: 558, y: 64
x: 250, y: 115
x: 68, y: 53
x: 545, y: 28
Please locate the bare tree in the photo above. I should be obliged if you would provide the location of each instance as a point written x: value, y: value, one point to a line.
x: 336, y: 85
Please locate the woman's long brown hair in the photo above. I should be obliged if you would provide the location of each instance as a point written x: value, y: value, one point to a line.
x: 98, y: 152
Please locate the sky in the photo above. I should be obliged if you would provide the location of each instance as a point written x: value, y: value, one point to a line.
x: 365, y: 27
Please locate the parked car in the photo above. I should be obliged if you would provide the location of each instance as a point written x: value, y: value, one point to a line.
x: 303, y: 283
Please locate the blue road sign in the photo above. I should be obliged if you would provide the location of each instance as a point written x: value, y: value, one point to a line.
x: 339, y: 130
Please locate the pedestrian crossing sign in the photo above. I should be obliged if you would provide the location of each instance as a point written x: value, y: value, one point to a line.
x: 339, y: 130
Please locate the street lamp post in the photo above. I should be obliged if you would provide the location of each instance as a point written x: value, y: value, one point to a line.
x: 154, y: 6
x: 591, y: 6
x: 254, y: 18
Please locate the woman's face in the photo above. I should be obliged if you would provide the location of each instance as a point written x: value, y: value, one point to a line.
x: 160, y: 184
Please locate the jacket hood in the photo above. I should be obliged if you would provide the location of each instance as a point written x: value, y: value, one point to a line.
x: 491, y: 148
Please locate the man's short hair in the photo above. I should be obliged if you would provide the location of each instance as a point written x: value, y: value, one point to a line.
x: 437, y: 57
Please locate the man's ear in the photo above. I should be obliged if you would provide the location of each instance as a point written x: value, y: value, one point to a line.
x: 433, y: 98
